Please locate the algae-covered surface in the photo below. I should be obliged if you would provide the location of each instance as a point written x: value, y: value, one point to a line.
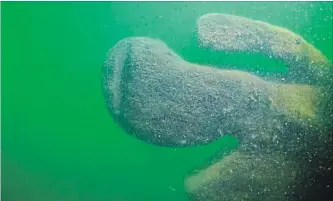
x: 59, y: 141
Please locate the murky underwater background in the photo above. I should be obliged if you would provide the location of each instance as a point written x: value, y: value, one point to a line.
x: 58, y: 141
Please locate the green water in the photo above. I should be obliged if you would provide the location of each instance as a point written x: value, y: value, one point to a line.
x: 58, y: 141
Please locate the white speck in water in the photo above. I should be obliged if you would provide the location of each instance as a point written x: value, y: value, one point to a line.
x: 172, y: 188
